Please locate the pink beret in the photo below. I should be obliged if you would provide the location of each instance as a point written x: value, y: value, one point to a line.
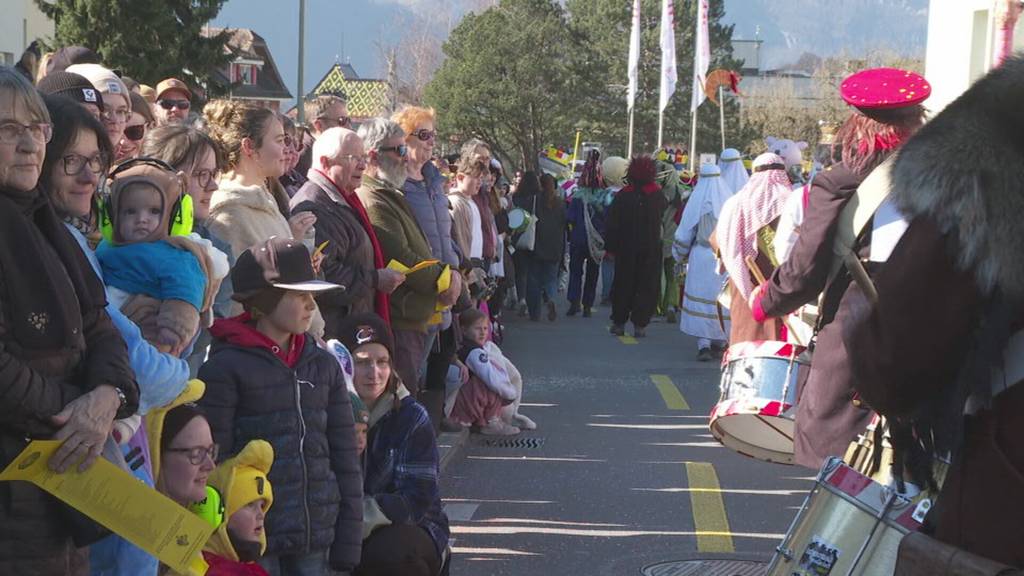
x: 884, y: 88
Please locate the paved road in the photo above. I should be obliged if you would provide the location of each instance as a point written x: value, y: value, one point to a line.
x: 622, y: 473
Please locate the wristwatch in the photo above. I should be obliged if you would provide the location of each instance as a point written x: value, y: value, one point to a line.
x: 121, y: 399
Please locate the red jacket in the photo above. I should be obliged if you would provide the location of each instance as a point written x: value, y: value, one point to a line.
x: 221, y: 566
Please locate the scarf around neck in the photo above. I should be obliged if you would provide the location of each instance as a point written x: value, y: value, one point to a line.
x: 381, y: 303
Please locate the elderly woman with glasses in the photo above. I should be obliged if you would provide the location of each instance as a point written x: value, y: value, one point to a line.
x: 66, y: 375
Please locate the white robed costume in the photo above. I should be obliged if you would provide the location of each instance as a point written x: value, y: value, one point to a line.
x: 734, y: 174
x: 691, y: 244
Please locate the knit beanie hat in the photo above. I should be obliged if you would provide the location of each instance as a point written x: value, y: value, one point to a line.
x: 240, y: 481
x: 367, y: 328
x: 103, y: 79
x: 359, y: 411
x: 71, y: 85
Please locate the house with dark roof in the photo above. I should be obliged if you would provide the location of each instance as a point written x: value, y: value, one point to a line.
x: 367, y: 97
x: 252, y: 73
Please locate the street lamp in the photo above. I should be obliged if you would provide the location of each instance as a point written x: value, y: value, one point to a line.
x: 300, y: 97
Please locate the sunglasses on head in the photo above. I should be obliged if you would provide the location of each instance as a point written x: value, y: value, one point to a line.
x: 135, y: 133
x: 424, y: 134
x: 172, y: 104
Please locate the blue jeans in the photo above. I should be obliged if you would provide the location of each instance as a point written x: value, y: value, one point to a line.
x: 543, y: 278
x: 582, y: 277
x: 607, y: 277
x: 312, y: 564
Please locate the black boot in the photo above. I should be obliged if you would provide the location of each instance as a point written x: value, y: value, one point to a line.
x: 587, y: 313
x: 574, y: 309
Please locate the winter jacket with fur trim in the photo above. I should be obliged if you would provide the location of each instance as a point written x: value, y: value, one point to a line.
x: 305, y: 414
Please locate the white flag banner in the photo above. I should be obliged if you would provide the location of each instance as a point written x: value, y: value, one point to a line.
x: 668, y: 53
x: 701, y: 56
x: 634, y: 56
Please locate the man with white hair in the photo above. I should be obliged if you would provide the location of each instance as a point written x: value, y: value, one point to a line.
x: 352, y: 254
x: 415, y: 302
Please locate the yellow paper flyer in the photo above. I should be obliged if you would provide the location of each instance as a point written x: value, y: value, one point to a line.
x: 399, y: 267
x: 122, y: 503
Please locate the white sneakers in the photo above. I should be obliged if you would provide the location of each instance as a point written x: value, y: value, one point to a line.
x: 498, y: 427
x: 524, y: 422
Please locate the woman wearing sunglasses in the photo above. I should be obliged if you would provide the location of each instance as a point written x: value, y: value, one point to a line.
x: 135, y: 129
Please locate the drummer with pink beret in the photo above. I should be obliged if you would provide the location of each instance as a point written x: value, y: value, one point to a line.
x: 886, y: 110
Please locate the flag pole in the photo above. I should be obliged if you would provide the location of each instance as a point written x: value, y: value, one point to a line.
x: 629, y: 153
x: 661, y: 125
x: 693, y: 138
x: 721, y: 112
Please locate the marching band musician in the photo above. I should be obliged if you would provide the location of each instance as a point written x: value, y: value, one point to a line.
x: 940, y: 352
x: 887, y: 111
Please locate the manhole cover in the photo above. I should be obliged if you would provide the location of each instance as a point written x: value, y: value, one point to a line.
x: 527, y: 443
x: 705, y: 568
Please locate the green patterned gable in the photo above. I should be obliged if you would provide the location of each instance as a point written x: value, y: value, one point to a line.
x: 366, y: 98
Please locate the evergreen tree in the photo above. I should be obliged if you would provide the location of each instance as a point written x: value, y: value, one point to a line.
x: 148, y: 40
x: 507, y: 80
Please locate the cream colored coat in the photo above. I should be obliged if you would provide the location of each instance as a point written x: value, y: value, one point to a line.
x: 244, y: 216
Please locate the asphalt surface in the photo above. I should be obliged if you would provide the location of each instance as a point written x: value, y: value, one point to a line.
x: 622, y: 473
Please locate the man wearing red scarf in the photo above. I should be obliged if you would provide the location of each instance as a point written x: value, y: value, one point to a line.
x: 886, y: 111
x: 352, y: 254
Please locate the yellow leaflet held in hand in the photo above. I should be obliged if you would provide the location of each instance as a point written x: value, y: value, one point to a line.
x: 399, y: 267
x: 122, y: 503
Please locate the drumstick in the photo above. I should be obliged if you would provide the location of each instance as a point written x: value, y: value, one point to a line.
x: 761, y: 280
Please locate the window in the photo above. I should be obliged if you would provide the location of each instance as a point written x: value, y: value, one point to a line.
x: 245, y: 74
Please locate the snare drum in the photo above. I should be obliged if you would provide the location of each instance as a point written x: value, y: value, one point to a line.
x: 848, y: 525
x: 860, y: 455
x: 754, y: 415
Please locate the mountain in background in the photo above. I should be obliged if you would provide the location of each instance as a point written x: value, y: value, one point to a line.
x: 790, y: 28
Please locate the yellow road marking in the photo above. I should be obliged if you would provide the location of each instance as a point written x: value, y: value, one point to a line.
x: 709, y: 519
x: 673, y: 398
x: 628, y: 340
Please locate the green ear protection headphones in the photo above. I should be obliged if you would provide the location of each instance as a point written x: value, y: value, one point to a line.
x: 182, y: 215
x: 210, y: 508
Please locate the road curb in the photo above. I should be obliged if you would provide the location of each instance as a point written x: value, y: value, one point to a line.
x: 449, y: 444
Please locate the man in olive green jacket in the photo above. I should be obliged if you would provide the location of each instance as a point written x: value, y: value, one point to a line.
x: 413, y: 304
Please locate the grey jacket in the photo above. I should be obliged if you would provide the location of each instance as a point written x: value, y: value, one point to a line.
x: 429, y: 205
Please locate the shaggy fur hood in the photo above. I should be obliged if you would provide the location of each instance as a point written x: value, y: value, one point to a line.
x: 965, y: 170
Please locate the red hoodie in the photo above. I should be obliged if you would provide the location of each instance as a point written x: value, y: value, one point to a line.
x: 241, y: 331
x: 220, y: 566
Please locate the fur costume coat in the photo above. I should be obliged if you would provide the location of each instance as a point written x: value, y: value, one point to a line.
x: 926, y: 350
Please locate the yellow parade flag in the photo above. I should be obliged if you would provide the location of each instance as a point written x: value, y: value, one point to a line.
x: 121, y: 503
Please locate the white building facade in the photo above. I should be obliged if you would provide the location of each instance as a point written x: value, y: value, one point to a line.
x: 21, y: 23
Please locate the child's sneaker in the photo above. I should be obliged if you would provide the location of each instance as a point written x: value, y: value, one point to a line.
x: 497, y: 427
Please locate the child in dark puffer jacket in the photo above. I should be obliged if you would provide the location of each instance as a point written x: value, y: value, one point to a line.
x: 267, y: 379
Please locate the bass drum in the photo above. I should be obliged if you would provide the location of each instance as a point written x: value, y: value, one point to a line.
x: 849, y: 525
x: 755, y: 413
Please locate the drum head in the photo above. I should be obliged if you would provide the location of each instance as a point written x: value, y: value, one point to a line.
x: 773, y: 436
x: 516, y: 219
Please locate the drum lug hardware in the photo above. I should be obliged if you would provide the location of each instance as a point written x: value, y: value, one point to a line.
x: 785, y: 553
x: 921, y: 510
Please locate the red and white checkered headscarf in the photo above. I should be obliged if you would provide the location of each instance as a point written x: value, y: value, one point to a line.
x: 755, y: 206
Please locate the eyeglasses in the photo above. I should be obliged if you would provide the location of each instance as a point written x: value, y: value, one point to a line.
x: 342, y: 121
x: 12, y: 132
x: 360, y: 158
x: 75, y: 163
x: 172, y: 104
x: 205, y: 177
x: 119, y: 116
x: 135, y: 133
x: 197, y: 453
x: 400, y: 149
x: 425, y: 135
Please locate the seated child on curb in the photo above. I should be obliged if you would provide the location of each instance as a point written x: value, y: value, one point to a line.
x: 481, y: 399
x: 246, y: 495
x: 161, y: 283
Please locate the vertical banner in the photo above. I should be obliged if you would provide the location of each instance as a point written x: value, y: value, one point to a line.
x: 668, y: 53
x: 701, y: 56
x: 634, y: 55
